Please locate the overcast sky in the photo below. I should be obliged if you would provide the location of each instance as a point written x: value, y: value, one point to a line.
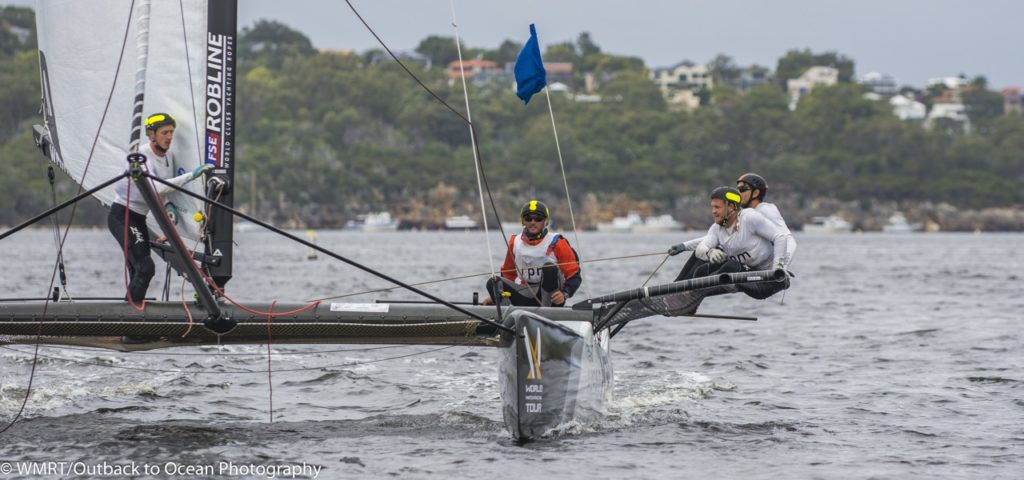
x: 913, y: 40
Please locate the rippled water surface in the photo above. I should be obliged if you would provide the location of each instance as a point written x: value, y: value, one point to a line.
x: 892, y: 356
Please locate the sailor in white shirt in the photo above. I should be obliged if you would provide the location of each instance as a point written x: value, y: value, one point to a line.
x: 752, y: 188
x: 127, y: 217
x: 743, y: 239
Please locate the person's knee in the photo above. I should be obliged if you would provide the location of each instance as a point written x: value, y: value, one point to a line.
x: 145, y: 269
x: 549, y: 277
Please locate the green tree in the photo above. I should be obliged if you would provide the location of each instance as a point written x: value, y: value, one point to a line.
x: 506, y: 53
x: 634, y: 91
x: 586, y: 45
x: 17, y: 30
x: 982, y: 105
x: 269, y: 42
x: 723, y: 69
x: 440, y: 50
x: 561, y: 52
x: 19, y: 92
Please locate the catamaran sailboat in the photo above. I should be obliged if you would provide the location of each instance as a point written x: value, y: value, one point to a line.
x: 554, y: 366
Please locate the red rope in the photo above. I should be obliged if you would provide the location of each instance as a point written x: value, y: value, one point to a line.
x: 206, y: 278
x: 124, y: 244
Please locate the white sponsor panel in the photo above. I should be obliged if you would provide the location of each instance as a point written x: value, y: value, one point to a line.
x: 360, y: 307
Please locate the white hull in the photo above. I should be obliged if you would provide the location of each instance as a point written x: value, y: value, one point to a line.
x: 828, y: 225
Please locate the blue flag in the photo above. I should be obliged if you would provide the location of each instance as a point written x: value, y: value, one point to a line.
x: 530, y: 74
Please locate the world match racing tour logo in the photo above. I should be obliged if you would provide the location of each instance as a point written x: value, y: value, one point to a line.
x: 220, y: 53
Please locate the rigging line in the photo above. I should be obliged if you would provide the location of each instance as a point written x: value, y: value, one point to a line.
x: 476, y: 138
x: 191, y: 86
x: 471, y: 275
x: 99, y: 128
x: 46, y: 305
x: 568, y: 198
x: 656, y: 270
x: 270, y: 379
x: 56, y: 231
x: 195, y: 246
x: 472, y: 138
x: 336, y: 256
x: 230, y: 371
x: 206, y: 278
x: 395, y: 57
x: 124, y: 246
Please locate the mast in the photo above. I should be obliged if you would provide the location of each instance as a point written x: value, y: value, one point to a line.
x: 221, y: 43
x: 142, y: 15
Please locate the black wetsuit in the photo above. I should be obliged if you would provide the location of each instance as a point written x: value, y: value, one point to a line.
x: 140, y: 264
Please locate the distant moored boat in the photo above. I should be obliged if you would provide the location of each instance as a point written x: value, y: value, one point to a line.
x: 829, y: 224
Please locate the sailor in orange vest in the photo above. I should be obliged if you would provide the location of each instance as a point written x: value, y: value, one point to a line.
x: 540, y: 268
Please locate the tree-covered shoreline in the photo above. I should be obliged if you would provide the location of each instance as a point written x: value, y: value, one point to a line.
x: 326, y: 136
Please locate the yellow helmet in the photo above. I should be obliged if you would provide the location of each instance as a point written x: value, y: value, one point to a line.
x: 534, y: 207
x: 157, y: 120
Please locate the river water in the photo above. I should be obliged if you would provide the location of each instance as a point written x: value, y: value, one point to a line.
x: 893, y: 356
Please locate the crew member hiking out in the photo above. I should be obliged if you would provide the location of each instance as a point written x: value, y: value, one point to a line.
x: 753, y: 188
x: 540, y: 268
x: 740, y: 240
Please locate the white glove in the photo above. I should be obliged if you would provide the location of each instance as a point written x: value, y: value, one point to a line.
x: 716, y: 255
x: 677, y: 249
x: 198, y: 171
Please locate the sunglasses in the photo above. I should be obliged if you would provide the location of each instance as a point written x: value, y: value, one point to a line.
x: 743, y: 188
x: 534, y: 218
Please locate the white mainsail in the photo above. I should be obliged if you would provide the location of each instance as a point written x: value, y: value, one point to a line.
x: 81, y: 44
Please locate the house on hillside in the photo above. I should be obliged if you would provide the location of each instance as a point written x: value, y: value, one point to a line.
x: 907, y: 108
x: 1013, y: 102
x: 951, y: 116
x: 378, y: 57
x: 814, y: 76
x: 558, y: 72
x: 949, y: 82
x: 680, y: 83
x: 751, y: 77
x: 880, y: 83
x: 478, y: 70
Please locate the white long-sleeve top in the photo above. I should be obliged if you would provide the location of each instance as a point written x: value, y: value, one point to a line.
x: 159, y: 166
x: 753, y: 240
x: 771, y: 212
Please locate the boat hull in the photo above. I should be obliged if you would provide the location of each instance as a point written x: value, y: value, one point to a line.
x: 552, y: 373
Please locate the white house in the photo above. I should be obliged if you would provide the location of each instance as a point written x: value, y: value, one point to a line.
x: 951, y: 111
x: 880, y: 83
x: 679, y: 82
x: 814, y: 76
x: 906, y: 108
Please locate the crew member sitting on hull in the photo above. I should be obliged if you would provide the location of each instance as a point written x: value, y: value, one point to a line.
x: 540, y: 268
x: 753, y: 189
x: 743, y: 239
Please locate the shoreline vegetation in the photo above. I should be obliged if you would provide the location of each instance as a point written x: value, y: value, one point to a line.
x: 325, y: 136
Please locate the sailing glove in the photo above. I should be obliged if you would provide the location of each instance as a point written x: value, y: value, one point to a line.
x: 677, y: 249
x: 172, y: 212
x: 716, y: 255
x: 198, y: 171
